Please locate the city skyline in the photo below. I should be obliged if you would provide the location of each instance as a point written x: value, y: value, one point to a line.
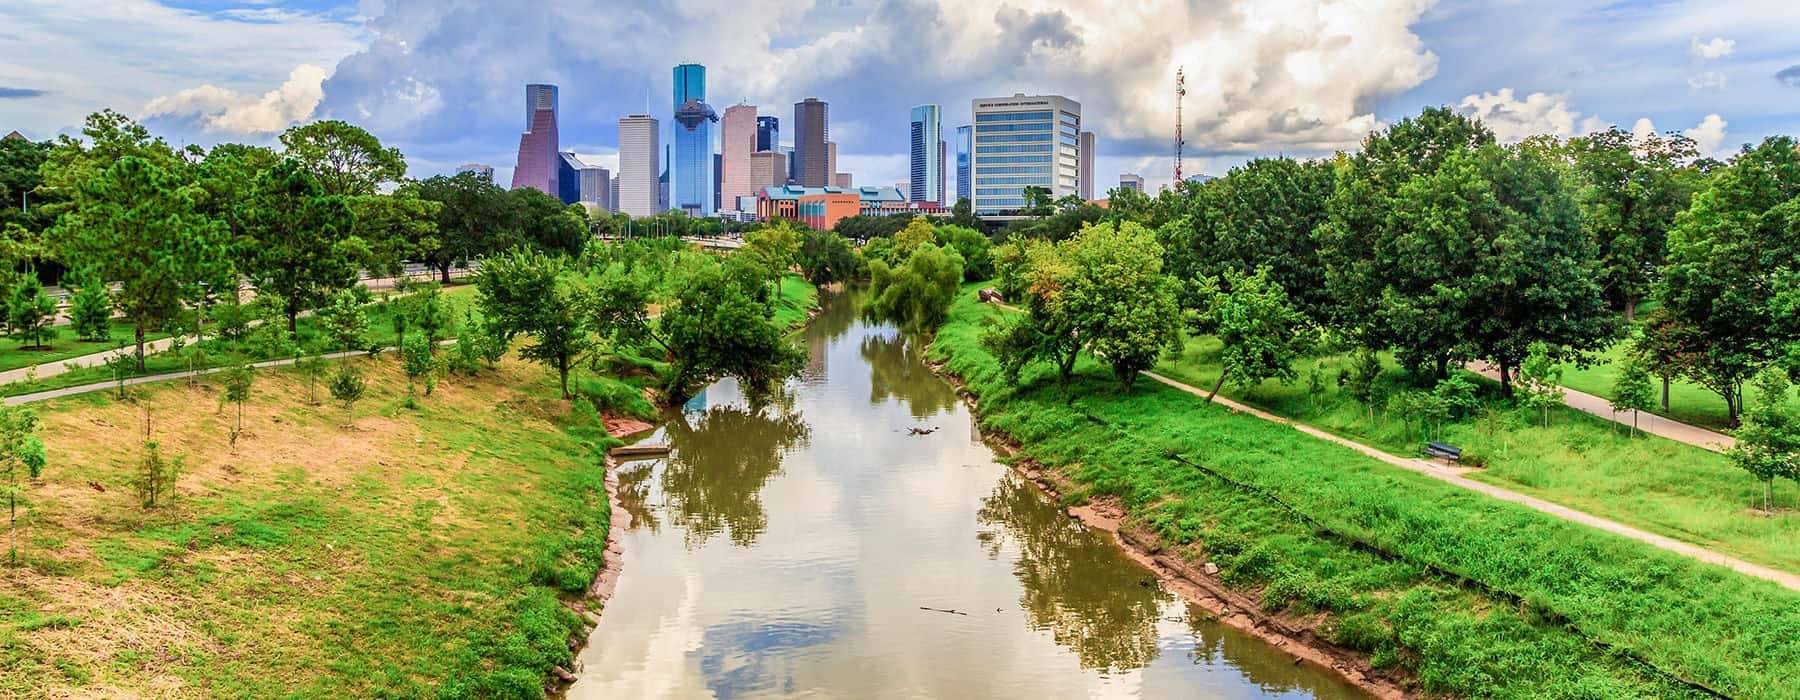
x: 1723, y: 72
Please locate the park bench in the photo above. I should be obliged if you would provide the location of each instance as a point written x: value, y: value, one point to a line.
x: 1438, y: 450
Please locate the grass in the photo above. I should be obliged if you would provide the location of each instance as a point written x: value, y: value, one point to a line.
x: 65, y: 345
x: 1581, y: 461
x: 1469, y: 595
x: 427, y: 552
x: 798, y: 298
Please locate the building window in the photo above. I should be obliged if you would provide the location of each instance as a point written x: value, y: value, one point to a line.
x: 1045, y: 181
x: 1030, y: 148
x: 1014, y: 117
x: 1018, y: 170
x: 1014, y: 138
x: 985, y: 128
x: 981, y: 160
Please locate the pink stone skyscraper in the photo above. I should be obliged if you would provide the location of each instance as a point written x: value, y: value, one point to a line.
x: 538, y: 145
x: 737, y: 142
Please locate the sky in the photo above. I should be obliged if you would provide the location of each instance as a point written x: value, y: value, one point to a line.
x: 443, y: 80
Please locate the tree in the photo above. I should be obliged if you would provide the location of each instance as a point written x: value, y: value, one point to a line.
x: 1261, y: 331
x: 473, y: 219
x: 825, y: 258
x: 21, y: 200
x: 1123, y: 304
x: 346, y: 321
x: 30, y: 313
x: 238, y: 381
x: 974, y: 248
x: 343, y: 158
x: 545, y: 222
x: 774, y: 248
x: 1632, y: 188
x: 300, y: 242
x: 1769, y: 439
x: 1540, y: 376
x: 135, y: 222
x: 1632, y: 391
x: 90, y: 311
x: 156, y: 475
x: 1037, y: 201
x: 347, y: 388
x: 22, y: 458
x: 395, y: 228
x: 917, y: 233
x: 424, y: 309
x: 716, y: 327
x: 917, y: 294
x: 416, y: 359
x: 1262, y: 214
x: 526, y: 292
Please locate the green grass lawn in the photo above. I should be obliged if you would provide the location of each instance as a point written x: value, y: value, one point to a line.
x: 798, y: 298
x: 1688, y: 402
x: 1580, y: 461
x: 1471, y: 595
x: 428, y: 552
x: 65, y: 345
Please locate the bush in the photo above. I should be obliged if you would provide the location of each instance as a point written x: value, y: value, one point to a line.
x: 615, y: 397
x: 1365, y: 632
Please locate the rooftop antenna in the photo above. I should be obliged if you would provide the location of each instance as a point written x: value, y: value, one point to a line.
x: 1180, y: 92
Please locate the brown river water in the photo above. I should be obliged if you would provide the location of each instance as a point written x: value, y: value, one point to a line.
x: 812, y: 548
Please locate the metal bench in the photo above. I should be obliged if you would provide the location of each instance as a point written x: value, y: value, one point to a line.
x: 1438, y: 450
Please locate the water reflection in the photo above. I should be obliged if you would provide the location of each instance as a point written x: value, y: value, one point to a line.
x: 897, y: 371
x: 634, y: 494
x: 1074, y: 582
x: 723, y: 457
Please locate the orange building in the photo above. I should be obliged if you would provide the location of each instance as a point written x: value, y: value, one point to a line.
x: 822, y: 207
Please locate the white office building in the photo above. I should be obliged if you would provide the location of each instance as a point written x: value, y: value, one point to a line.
x: 638, y: 167
x: 1024, y: 141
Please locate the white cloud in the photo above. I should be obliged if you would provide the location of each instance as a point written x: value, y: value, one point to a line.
x: 1513, y: 119
x: 220, y: 110
x: 1709, y: 80
x: 1709, y: 136
x: 1644, y: 128
x: 1718, y: 47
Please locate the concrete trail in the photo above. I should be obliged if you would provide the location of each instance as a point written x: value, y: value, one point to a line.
x: 150, y: 378
x: 1647, y: 422
x: 1455, y: 477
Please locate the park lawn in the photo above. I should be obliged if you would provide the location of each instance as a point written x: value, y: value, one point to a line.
x: 1470, y: 595
x: 1688, y: 402
x: 65, y: 345
x: 798, y: 298
x: 1581, y: 461
x: 426, y: 552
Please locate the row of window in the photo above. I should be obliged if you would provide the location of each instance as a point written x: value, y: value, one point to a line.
x: 1070, y: 119
x: 990, y: 206
x: 993, y: 128
x: 1068, y: 129
x: 1068, y: 140
x: 1030, y: 148
x: 985, y: 160
x: 1013, y: 117
x: 1016, y: 170
x: 1041, y: 180
x: 1016, y: 138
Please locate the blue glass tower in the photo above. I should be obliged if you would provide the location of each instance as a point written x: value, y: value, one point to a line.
x: 691, y: 179
x: 927, y: 181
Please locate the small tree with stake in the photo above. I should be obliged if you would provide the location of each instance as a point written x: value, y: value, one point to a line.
x: 348, y: 387
x: 30, y: 312
x: 1769, y: 437
x: 237, y: 391
x: 21, y: 454
x: 90, y: 312
x: 1541, y: 378
x: 416, y: 359
x: 1633, y: 391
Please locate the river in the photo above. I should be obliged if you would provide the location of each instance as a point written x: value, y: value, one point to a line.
x: 816, y: 548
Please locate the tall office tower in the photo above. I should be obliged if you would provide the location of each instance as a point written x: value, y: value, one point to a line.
x: 662, y: 181
x: 568, y: 177
x: 537, y: 162
x: 481, y: 170
x: 767, y: 168
x: 831, y: 162
x: 612, y: 202
x: 927, y: 182
x: 737, y: 140
x: 811, y: 132
x: 768, y: 133
x: 1085, y: 189
x: 691, y: 171
x: 718, y: 170
x: 1131, y: 181
x: 964, y: 134
x: 1024, y: 141
x: 793, y: 165
x: 596, y: 187
x: 843, y: 180
x: 638, y: 165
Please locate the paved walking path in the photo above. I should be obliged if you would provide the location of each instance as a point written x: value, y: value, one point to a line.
x: 1455, y: 477
x: 149, y: 378
x: 1647, y: 422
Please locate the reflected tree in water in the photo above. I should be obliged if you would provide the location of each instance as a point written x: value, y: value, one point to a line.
x: 722, y: 460
x: 897, y: 370
x: 1075, y: 583
x: 634, y: 495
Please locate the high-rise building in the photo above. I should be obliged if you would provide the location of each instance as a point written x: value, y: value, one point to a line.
x: 638, y: 165
x: 767, y: 168
x: 964, y: 134
x: 481, y: 170
x: 1131, y: 181
x: 1086, y: 174
x: 691, y: 171
x: 831, y: 161
x: 843, y: 180
x: 537, y: 164
x: 718, y: 169
x: 812, y: 130
x: 737, y: 140
x: 1024, y: 141
x: 612, y: 202
x: 927, y: 182
x: 768, y: 133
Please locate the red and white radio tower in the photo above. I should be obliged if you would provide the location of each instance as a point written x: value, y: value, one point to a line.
x: 1180, y: 92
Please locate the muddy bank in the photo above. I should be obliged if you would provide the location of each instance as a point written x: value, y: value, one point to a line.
x: 1298, y: 636
x: 612, y: 563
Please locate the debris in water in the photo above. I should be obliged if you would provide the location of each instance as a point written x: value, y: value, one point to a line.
x: 952, y: 612
x: 922, y: 431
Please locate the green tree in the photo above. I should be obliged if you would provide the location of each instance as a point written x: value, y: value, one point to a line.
x: 347, y: 388
x: 238, y: 381
x: 715, y: 327
x: 424, y: 308
x: 22, y: 458
x: 1631, y: 189
x: 825, y: 258
x: 474, y: 219
x: 300, y: 242
x: 345, y: 159
x: 395, y: 228
x: 156, y: 475
x: 30, y: 313
x: 21, y: 199
x: 416, y: 359
x: 545, y: 222
x: 135, y: 222
x: 1632, y: 391
x: 346, y: 321
x: 774, y: 247
x: 1261, y: 331
x: 90, y: 311
x: 917, y: 294
x: 1119, y: 298
x: 1769, y: 439
x: 1540, y: 376
x: 526, y: 292
x: 1262, y: 214
x: 974, y: 248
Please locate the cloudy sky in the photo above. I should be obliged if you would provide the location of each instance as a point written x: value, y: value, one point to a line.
x: 443, y: 79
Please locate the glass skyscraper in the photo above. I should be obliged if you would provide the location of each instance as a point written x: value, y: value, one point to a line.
x: 927, y: 183
x: 1024, y: 141
x: 691, y: 178
x: 768, y: 133
x: 963, y: 135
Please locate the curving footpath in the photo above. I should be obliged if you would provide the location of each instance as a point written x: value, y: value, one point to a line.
x: 149, y: 378
x: 1647, y: 422
x: 1455, y: 476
